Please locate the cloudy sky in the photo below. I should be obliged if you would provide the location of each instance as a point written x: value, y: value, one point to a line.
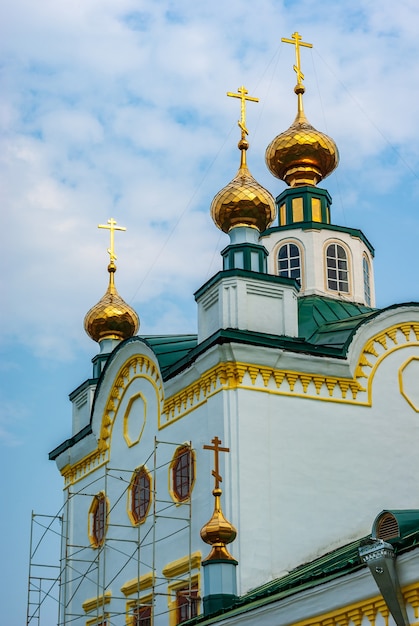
x: 118, y: 108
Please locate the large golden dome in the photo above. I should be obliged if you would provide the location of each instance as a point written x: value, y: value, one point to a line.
x: 302, y: 155
x: 243, y: 202
x: 111, y: 317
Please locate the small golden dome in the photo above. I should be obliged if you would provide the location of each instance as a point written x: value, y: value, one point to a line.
x: 111, y: 317
x: 302, y: 155
x: 218, y: 531
x: 243, y: 202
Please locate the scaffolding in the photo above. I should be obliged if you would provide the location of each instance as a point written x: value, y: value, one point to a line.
x: 44, y: 571
x: 122, y: 550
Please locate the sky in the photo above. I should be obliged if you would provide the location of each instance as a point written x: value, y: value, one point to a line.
x: 118, y: 108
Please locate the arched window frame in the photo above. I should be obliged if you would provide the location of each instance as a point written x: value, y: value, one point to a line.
x: 182, y: 472
x: 289, y: 242
x: 339, y: 280
x: 139, y: 495
x: 366, y: 275
x: 98, y: 520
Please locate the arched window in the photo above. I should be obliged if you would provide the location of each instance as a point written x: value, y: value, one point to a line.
x: 337, y: 268
x: 367, y: 284
x: 98, y: 518
x: 289, y: 261
x: 140, y: 495
x: 183, y: 473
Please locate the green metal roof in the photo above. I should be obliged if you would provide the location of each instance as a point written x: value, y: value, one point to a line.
x: 326, y: 321
x: 339, y: 562
x: 169, y: 349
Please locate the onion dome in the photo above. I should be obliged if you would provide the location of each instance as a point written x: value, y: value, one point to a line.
x: 302, y: 155
x: 218, y: 531
x: 243, y: 202
x: 111, y: 317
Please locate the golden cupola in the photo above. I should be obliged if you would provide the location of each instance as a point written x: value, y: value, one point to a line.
x: 111, y: 317
x: 243, y: 202
x: 218, y: 531
x: 301, y: 155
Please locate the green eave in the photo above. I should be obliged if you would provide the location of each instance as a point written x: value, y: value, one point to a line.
x: 328, y: 322
x: 340, y: 562
x: 354, y: 232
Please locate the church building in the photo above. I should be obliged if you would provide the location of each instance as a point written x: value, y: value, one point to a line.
x: 260, y: 471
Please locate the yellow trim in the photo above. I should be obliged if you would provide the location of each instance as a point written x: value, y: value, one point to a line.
x: 132, y: 604
x: 357, y: 611
x: 97, y: 621
x: 129, y: 496
x: 402, y: 391
x: 92, y: 510
x: 282, y: 215
x: 234, y: 375
x: 297, y: 209
x: 135, y: 585
x: 138, y: 366
x: 127, y: 438
x: 169, y: 474
x: 172, y: 588
x: 316, y: 210
x: 95, y: 603
x: 183, y: 565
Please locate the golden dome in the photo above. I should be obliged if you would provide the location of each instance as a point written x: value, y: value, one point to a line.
x: 243, y: 202
x: 302, y: 155
x: 218, y: 531
x: 111, y: 317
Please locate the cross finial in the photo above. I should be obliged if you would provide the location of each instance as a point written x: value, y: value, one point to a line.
x: 112, y: 227
x: 296, y: 41
x: 243, y: 95
x: 216, y: 471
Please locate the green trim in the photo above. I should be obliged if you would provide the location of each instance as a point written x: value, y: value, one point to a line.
x: 354, y: 232
x: 218, y: 602
x: 243, y: 256
x: 87, y: 383
x: 306, y: 193
x: 341, y: 562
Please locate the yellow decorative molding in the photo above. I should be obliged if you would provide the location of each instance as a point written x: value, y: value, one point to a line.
x: 194, y: 582
x: 138, y: 366
x: 146, y: 600
x: 381, y: 345
x: 138, y: 584
x: 96, y: 603
x: 232, y: 375
x: 371, y: 609
x: 413, y: 401
x: 98, y: 621
x: 183, y: 565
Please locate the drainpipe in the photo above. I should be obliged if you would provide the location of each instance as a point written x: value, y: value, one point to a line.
x: 381, y: 560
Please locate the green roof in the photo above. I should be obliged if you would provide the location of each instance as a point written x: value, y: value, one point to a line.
x: 169, y: 349
x: 329, y: 322
x: 339, y: 562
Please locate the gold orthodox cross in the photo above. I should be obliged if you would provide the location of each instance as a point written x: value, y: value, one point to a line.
x: 243, y: 95
x: 112, y: 227
x: 296, y: 41
x: 216, y: 471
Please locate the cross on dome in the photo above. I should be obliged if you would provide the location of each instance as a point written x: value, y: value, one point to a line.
x: 112, y: 227
x: 242, y: 93
x: 216, y: 471
x: 296, y: 41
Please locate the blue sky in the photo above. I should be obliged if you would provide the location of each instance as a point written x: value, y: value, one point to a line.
x: 119, y: 108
